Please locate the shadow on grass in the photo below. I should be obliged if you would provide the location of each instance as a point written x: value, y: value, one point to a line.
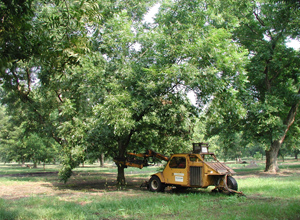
x: 7, y: 215
x: 97, y: 182
x: 107, y: 182
x: 5, y: 211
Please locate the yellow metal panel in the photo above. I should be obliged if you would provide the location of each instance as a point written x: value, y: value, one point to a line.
x: 176, y: 175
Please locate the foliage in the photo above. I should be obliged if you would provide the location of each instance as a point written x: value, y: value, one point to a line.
x: 17, y: 144
x: 265, y: 105
x: 96, y: 78
x: 10, y: 136
x: 84, y: 86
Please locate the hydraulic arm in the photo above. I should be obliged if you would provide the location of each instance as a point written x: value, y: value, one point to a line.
x: 133, y: 161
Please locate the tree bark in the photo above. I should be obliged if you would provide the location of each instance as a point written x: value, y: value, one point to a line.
x: 121, y: 173
x: 271, y: 157
x: 296, y: 152
x: 123, y: 144
x: 272, y: 153
x: 101, y: 160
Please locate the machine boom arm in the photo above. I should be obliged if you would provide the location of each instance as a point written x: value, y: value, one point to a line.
x: 132, y: 161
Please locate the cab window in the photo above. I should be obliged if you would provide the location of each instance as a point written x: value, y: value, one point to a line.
x: 178, y: 162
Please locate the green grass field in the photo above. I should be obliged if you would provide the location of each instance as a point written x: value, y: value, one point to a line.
x: 91, y: 193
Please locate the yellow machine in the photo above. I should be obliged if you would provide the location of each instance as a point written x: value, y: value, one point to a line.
x: 199, y: 169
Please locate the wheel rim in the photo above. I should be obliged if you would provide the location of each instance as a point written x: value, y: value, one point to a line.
x: 154, y: 184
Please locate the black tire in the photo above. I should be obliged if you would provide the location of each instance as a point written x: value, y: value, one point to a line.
x: 231, y: 183
x: 155, y: 185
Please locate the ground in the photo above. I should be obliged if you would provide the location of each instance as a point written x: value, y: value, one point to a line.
x: 76, y: 186
x: 91, y: 183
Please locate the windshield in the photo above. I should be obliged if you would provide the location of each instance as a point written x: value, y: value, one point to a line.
x: 177, y: 162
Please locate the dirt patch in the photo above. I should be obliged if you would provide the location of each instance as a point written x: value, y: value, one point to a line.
x: 76, y: 186
x: 27, y: 189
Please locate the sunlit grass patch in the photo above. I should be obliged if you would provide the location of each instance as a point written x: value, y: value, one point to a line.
x: 286, y: 187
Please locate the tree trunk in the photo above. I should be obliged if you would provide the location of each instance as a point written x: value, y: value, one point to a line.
x: 101, y: 160
x: 271, y: 155
x: 123, y: 144
x: 121, y: 173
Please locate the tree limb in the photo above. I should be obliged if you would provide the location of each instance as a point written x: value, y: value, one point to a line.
x: 290, y: 118
x: 259, y: 19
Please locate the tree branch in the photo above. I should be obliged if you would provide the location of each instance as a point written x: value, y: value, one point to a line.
x: 290, y: 118
x: 259, y: 20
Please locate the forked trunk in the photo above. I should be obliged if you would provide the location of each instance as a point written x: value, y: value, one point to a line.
x: 271, y: 155
x: 123, y: 144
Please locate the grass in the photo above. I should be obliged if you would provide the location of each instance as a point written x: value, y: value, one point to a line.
x: 8, y: 169
x: 276, y: 187
x: 83, y: 197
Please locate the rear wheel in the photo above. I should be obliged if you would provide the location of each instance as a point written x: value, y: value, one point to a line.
x: 231, y: 183
x: 155, y: 185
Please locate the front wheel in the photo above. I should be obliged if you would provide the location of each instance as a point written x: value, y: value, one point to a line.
x: 155, y: 185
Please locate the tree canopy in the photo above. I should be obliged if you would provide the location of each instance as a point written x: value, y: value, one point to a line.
x: 96, y: 77
x: 269, y: 100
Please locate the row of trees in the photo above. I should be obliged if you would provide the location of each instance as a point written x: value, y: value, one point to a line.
x: 95, y: 77
x: 16, y: 145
